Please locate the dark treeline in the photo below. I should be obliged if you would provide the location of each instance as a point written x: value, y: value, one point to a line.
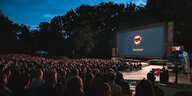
x: 90, y: 31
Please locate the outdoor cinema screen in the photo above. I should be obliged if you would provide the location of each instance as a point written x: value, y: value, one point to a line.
x: 143, y: 42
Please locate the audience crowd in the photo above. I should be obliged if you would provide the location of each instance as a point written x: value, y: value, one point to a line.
x: 25, y: 75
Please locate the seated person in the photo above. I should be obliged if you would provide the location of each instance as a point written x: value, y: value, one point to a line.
x: 151, y: 77
x: 4, y: 91
x: 74, y: 87
x: 48, y: 88
x: 104, y: 90
x: 38, y: 79
x: 125, y: 85
x: 116, y: 89
x: 23, y: 86
x: 144, y: 88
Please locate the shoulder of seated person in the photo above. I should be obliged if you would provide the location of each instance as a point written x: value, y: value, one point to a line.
x: 118, y: 86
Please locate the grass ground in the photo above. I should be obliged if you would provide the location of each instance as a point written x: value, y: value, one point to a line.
x: 169, y: 89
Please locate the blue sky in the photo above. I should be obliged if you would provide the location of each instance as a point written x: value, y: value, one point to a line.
x: 32, y: 12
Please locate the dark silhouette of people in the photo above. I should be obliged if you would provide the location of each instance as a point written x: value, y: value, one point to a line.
x: 4, y: 91
x: 144, y: 88
x: 125, y: 85
x: 23, y: 88
x: 88, y: 85
x: 104, y: 90
x: 74, y: 87
x: 48, y: 89
x: 151, y: 77
x: 116, y: 89
x: 27, y: 75
x: 38, y: 79
x: 140, y: 66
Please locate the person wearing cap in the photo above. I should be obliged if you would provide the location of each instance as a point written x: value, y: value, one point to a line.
x: 151, y: 77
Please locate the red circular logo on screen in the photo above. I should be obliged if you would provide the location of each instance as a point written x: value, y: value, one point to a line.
x: 137, y: 39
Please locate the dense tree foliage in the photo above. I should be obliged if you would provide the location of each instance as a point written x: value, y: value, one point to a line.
x: 90, y: 31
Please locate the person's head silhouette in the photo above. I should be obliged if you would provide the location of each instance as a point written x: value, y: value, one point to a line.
x: 151, y: 77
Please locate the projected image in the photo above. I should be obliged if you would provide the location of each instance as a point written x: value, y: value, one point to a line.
x: 137, y: 39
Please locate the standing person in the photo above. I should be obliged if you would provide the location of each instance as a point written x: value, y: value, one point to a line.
x: 151, y: 77
x: 144, y: 88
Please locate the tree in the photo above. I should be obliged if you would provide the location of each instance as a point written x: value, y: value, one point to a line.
x: 7, y: 35
x: 178, y: 11
x: 24, y: 38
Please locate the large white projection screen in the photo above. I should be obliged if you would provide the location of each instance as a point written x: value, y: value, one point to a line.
x: 144, y: 42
